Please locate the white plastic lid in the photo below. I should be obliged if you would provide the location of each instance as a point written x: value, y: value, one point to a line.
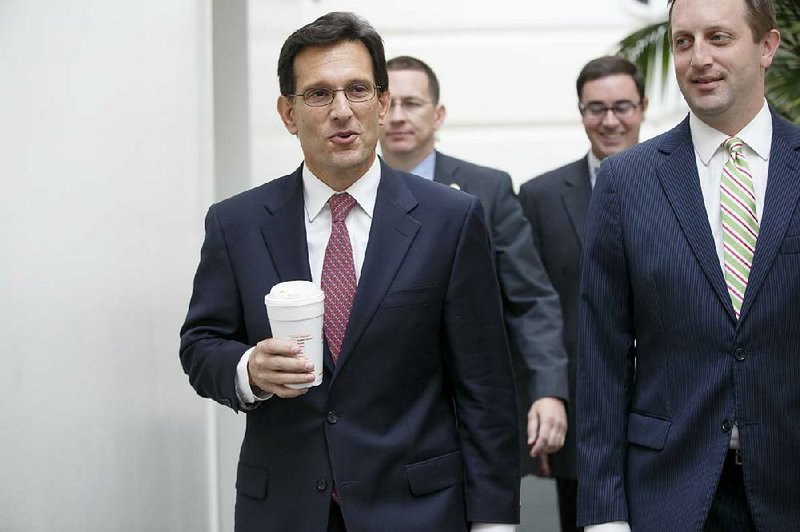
x: 290, y: 293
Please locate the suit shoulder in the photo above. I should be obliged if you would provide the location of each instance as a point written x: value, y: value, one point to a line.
x: 552, y: 179
x: 255, y: 198
x: 468, y: 170
x: 429, y: 192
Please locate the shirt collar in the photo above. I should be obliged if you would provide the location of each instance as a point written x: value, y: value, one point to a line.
x: 594, y: 165
x: 365, y: 191
x: 426, y: 167
x: 757, y: 135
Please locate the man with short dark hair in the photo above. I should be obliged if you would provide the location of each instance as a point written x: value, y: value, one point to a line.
x: 532, y: 314
x: 414, y: 424
x: 690, y: 330
x: 612, y: 104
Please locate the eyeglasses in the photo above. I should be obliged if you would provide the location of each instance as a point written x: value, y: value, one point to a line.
x: 322, y: 96
x: 598, y: 110
x: 409, y: 105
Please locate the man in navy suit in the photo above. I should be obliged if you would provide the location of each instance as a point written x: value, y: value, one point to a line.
x: 530, y: 305
x: 612, y: 104
x: 414, y: 424
x: 689, y: 352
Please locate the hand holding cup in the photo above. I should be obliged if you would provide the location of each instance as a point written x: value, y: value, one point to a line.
x: 278, y: 363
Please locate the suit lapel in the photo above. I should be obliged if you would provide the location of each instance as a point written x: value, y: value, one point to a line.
x: 677, y: 172
x: 392, y: 232
x: 446, y: 171
x: 284, y: 233
x: 783, y: 191
x: 576, y: 196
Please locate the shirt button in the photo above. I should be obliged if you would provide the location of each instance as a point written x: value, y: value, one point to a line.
x: 726, y: 425
x: 332, y: 418
x: 322, y: 484
x: 739, y: 354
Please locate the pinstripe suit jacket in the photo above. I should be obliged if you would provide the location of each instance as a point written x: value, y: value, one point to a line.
x: 664, y: 368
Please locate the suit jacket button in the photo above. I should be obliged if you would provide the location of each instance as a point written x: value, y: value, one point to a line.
x: 726, y: 425
x: 322, y: 484
x: 332, y: 418
x: 739, y: 354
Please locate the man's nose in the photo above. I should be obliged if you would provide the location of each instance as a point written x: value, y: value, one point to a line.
x: 340, y: 106
x: 610, y: 118
x: 701, y: 56
x: 396, y: 111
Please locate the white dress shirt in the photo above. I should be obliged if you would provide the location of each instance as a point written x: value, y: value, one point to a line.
x: 318, y: 230
x: 710, y: 156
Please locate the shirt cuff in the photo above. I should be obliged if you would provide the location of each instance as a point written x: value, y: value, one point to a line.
x: 247, y: 398
x: 615, y: 526
x: 492, y: 527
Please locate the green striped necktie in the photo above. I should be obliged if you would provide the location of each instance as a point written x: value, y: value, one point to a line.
x: 739, y: 221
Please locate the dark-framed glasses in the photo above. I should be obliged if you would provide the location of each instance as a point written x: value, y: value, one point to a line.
x: 409, y: 105
x: 598, y: 110
x: 322, y: 96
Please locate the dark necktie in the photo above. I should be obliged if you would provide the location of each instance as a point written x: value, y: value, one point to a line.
x: 338, y: 274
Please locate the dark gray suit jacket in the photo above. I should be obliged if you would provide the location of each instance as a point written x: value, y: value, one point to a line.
x: 532, y: 313
x: 555, y: 204
x: 664, y: 366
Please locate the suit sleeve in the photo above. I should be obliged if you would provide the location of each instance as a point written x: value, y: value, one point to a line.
x: 605, y: 356
x: 479, y: 369
x: 213, y: 337
x: 533, y: 311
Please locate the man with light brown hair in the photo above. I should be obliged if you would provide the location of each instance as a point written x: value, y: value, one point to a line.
x: 690, y: 330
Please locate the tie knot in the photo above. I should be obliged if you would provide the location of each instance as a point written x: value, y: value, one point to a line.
x: 341, y: 204
x: 734, y: 145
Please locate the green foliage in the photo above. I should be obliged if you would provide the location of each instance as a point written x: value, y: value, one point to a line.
x: 649, y: 49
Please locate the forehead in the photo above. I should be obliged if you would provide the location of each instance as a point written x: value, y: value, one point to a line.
x: 404, y: 83
x: 610, y: 89
x: 698, y: 15
x: 332, y: 64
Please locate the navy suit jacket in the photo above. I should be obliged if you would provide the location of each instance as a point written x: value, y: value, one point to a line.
x: 530, y: 304
x: 555, y: 204
x: 416, y: 423
x: 664, y: 367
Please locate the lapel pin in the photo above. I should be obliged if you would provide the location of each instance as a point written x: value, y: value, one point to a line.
x: 455, y: 186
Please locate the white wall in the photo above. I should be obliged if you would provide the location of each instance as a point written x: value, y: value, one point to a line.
x: 507, y: 69
x: 105, y: 165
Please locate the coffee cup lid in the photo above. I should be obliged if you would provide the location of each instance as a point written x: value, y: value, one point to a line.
x: 294, y: 293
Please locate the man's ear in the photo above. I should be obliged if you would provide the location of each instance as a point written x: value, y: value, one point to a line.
x: 645, y: 103
x: 384, y: 99
x: 439, y: 114
x: 770, y: 45
x: 286, y: 111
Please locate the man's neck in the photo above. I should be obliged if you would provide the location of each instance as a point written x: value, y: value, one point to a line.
x: 405, y: 162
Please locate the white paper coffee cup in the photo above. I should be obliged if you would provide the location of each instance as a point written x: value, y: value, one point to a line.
x: 295, y: 310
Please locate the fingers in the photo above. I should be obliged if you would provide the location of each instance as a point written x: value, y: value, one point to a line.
x: 551, y: 424
x: 544, y: 466
x: 533, y: 425
x: 276, y: 363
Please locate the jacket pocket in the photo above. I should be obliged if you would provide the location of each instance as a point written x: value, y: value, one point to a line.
x: 790, y: 244
x: 251, y: 481
x: 435, y: 473
x: 647, y: 431
x: 409, y: 298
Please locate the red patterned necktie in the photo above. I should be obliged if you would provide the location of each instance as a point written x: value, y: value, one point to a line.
x: 338, y: 274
